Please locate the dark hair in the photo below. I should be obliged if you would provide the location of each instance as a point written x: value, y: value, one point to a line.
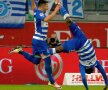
x: 42, y: 2
x: 89, y: 70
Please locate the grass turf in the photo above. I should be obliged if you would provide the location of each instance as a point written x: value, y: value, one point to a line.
x: 46, y: 87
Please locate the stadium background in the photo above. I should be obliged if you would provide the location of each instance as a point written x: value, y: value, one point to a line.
x: 14, y: 69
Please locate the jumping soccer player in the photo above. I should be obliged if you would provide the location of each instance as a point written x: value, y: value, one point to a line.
x: 39, y: 44
x: 83, y: 47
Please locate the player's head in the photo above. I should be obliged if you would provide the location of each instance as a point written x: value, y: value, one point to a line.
x: 89, y: 70
x: 43, y: 4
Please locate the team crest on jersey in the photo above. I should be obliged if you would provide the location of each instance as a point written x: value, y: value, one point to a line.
x: 5, y: 9
x: 41, y: 14
x: 57, y: 65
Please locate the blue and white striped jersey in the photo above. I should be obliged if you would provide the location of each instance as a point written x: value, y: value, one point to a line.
x: 81, y: 45
x: 41, y: 27
x: 87, y: 54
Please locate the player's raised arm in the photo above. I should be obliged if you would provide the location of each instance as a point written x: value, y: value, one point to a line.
x: 33, y: 4
x: 49, y: 17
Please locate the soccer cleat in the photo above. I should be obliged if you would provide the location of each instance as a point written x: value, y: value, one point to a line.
x: 58, y: 87
x: 55, y: 85
x: 49, y: 83
x: 106, y: 87
x: 15, y: 50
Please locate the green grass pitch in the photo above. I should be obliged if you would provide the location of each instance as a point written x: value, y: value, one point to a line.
x: 46, y: 87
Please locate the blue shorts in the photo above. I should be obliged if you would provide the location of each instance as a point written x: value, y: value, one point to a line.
x: 40, y: 47
x: 77, y: 41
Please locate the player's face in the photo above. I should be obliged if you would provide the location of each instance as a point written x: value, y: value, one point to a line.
x: 46, y: 6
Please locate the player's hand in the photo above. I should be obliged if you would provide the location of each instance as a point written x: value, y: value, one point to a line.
x: 57, y: 7
x: 57, y: 2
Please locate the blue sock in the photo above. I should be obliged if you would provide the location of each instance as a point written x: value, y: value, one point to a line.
x: 82, y: 71
x: 63, y: 11
x: 102, y: 71
x: 49, y: 69
x: 31, y: 58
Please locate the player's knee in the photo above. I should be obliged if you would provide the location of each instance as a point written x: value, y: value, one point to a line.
x: 44, y: 55
x: 34, y: 60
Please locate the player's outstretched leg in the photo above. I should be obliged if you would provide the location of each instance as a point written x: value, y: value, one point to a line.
x: 35, y: 59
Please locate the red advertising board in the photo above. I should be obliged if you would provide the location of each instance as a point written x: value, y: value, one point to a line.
x: 15, y: 69
x: 96, y: 32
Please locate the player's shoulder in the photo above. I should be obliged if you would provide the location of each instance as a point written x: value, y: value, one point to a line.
x: 39, y: 13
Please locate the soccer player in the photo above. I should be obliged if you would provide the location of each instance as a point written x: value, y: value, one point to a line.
x: 39, y: 44
x: 83, y: 47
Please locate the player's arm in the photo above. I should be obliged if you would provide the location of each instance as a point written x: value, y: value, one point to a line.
x: 67, y: 18
x: 49, y: 17
x: 33, y: 5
